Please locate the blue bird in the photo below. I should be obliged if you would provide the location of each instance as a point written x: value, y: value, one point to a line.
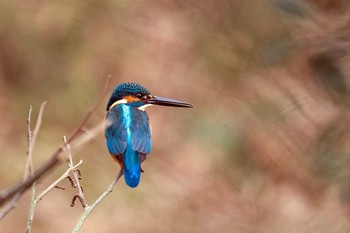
x: 127, y: 129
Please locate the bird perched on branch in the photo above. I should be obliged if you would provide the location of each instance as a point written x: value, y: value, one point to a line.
x: 127, y: 129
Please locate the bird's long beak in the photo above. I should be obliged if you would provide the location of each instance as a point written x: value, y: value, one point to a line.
x: 156, y: 100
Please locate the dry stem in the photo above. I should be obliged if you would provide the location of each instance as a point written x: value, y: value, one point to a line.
x: 89, y: 209
x: 75, y: 175
x: 28, y: 170
x: 48, y: 189
x: 21, y: 187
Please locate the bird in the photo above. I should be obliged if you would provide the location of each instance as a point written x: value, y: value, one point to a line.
x: 127, y: 127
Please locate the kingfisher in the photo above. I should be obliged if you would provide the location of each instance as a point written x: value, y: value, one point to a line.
x: 127, y: 127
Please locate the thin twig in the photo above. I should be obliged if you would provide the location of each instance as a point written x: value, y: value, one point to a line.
x: 28, y: 170
x: 31, y: 143
x: 55, y: 159
x: 75, y: 174
x: 64, y: 176
x: 29, y: 163
x: 89, y: 209
x: 43, y: 193
x: 31, y: 210
x: 32, y: 139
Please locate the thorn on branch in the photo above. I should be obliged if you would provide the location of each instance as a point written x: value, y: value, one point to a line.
x: 74, y: 185
x: 88, y: 210
x: 72, y: 204
x: 79, y: 174
x: 76, y: 176
x: 59, y: 187
x: 55, y: 158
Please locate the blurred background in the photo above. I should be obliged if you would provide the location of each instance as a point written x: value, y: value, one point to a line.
x: 264, y: 150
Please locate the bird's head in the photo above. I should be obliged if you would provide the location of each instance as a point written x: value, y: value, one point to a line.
x: 138, y: 96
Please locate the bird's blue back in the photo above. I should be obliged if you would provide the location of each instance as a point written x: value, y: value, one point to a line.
x: 128, y: 133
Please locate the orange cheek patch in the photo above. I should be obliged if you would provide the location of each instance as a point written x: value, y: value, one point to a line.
x: 130, y: 99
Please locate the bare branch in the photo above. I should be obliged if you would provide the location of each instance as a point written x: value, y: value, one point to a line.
x: 75, y: 175
x: 31, y: 210
x: 89, y: 209
x: 42, y: 194
x: 10, y: 206
x: 32, y: 139
x: 29, y: 163
x: 28, y: 170
x: 29, y: 166
x: 54, y: 184
x: 55, y: 159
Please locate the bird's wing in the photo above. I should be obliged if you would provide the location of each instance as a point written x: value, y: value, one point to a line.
x: 141, y: 132
x: 115, y: 132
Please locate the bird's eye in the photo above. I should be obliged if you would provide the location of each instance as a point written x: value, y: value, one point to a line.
x: 138, y: 95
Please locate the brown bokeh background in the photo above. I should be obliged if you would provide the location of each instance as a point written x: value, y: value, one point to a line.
x: 264, y: 150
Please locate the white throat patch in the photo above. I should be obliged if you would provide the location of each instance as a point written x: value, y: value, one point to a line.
x: 143, y: 107
x: 122, y: 101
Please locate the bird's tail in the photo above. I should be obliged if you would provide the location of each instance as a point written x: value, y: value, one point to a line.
x: 132, y: 167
